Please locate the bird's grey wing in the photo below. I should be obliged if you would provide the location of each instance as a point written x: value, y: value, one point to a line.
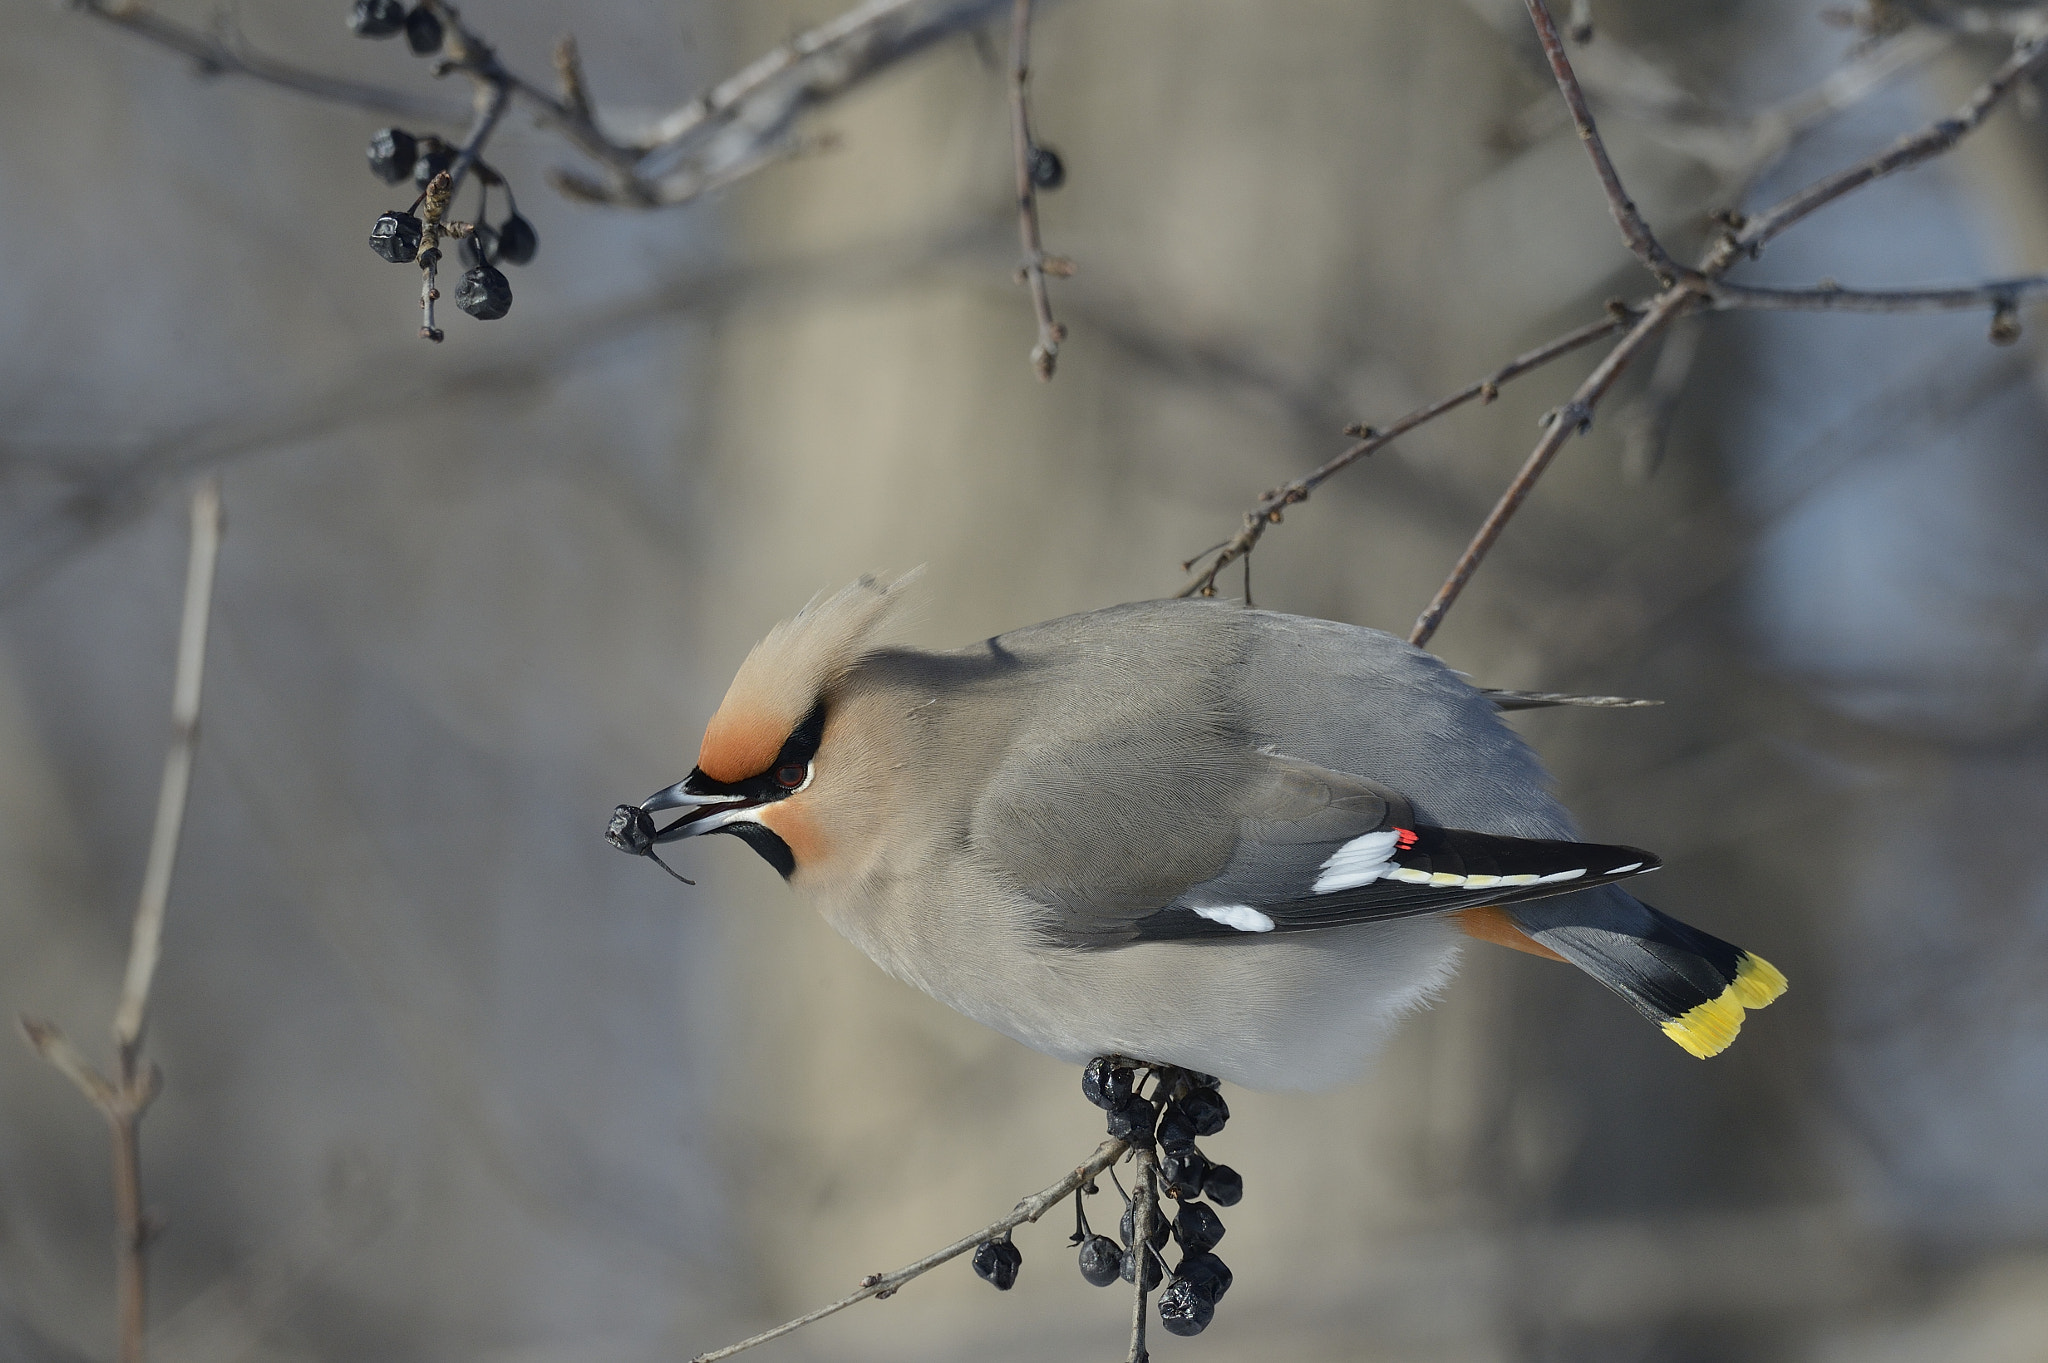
x: 1286, y: 846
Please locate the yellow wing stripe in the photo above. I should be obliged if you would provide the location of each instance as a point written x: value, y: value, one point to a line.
x: 1708, y: 1028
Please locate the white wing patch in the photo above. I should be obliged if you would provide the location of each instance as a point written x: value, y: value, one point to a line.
x: 1243, y: 917
x: 1359, y: 862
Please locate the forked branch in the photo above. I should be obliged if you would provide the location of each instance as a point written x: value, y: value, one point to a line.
x: 123, y: 1099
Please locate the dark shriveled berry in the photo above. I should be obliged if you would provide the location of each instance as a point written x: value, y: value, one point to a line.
x: 1198, y: 1228
x: 631, y: 830
x: 480, y: 247
x: 517, y: 241
x: 376, y: 18
x: 423, y: 31
x: 1176, y: 1130
x: 392, y: 152
x: 1223, y: 1185
x: 1127, y: 1269
x: 396, y: 237
x: 1048, y: 172
x: 485, y: 294
x: 435, y: 157
x: 1133, y: 1122
x: 1184, y: 1310
x: 1206, y: 1273
x: 1106, y: 1085
x: 997, y: 1261
x: 1161, y: 1228
x: 1101, y: 1260
x: 1182, y: 1173
x: 1207, y: 1110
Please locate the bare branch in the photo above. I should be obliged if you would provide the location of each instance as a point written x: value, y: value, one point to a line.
x: 124, y: 1099
x: 1574, y: 417
x: 1274, y: 502
x: 738, y: 126
x: 1044, y: 355
x: 1146, y: 1194
x: 737, y: 121
x: 146, y: 941
x: 222, y: 54
x: 47, y: 1041
x: 569, y: 75
x: 1634, y: 230
x: 1831, y: 297
x: 885, y: 1284
x: 2028, y: 59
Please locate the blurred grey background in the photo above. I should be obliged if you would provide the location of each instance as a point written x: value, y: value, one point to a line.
x: 449, y: 1079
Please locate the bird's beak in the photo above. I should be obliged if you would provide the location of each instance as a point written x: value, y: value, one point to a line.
x: 707, y: 809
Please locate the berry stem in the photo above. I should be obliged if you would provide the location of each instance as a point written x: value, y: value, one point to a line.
x: 1147, y: 1183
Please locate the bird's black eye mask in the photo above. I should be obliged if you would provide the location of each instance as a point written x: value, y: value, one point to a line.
x: 713, y: 806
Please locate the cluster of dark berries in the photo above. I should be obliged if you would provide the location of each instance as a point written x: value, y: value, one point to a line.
x: 388, y: 18
x: 485, y: 293
x: 1182, y: 1107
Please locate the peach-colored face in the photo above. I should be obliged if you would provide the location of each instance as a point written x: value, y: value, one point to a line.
x: 796, y: 824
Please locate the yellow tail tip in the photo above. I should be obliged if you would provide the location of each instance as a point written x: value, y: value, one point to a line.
x: 1709, y: 1028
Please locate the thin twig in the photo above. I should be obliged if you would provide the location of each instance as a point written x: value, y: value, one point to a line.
x: 493, y: 98
x: 2029, y: 57
x: 1044, y: 355
x: 816, y: 65
x: 124, y: 1099
x: 569, y: 75
x: 52, y: 1045
x: 1827, y: 297
x: 216, y: 54
x: 146, y: 942
x: 1147, y: 1191
x: 1273, y: 503
x: 1627, y: 217
x: 735, y: 128
x: 885, y: 1284
x: 1574, y: 417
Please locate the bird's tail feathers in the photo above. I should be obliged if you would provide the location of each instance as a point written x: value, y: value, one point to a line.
x: 1692, y: 984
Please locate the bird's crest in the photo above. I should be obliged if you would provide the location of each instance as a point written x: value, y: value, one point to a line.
x: 787, y: 672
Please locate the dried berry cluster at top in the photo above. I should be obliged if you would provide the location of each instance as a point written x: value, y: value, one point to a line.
x: 1182, y: 1107
x: 388, y: 18
x: 405, y: 236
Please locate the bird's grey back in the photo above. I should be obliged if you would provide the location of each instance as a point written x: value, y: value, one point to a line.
x: 1127, y: 733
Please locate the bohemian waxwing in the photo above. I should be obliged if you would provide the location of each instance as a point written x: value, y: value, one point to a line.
x: 1184, y: 832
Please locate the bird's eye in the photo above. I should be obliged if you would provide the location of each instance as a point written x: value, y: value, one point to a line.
x: 790, y: 777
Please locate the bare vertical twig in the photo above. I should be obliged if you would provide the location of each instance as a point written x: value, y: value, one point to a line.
x: 124, y: 1099
x: 1044, y: 355
x: 1146, y: 1186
